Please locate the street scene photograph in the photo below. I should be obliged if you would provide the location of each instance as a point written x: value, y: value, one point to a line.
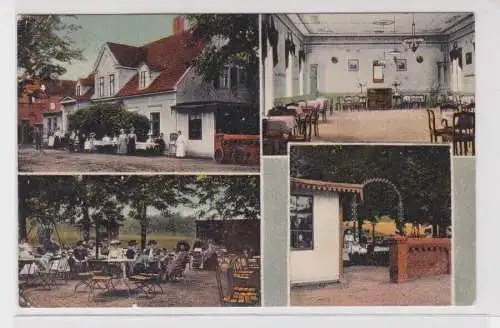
x: 139, y: 241
x: 138, y: 93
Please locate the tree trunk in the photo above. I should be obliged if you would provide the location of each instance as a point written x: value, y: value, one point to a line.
x: 143, y: 227
x: 373, y: 233
x: 360, y: 229
x: 97, y: 239
x: 22, y: 232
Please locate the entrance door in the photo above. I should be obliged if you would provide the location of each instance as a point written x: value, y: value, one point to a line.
x: 313, y: 78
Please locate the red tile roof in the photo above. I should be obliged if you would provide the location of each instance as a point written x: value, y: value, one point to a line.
x: 128, y: 56
x: 171, y: 56
x: 327, y: 186
x: 88, y: 81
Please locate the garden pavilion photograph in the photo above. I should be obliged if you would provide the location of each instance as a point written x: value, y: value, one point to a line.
x: 369, y: 77
x: 179, y: 94
x: 370, y: 225
x: 139, y: 241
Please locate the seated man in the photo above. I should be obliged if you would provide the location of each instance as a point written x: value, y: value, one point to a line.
x: 177, y: 266
x: 80, y: 257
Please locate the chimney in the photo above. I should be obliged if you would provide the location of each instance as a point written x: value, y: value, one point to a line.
x: 178, y: 24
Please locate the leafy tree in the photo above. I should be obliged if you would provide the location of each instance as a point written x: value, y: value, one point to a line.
x: 421, y: 173
x: 43, y: 45
x: 141, y: 192
x: 235, y: 40
x: 109, y: 118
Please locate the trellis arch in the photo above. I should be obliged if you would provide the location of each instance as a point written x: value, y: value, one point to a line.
x: 355, y: 203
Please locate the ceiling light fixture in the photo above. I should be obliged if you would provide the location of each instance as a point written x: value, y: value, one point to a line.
x: 413, y: 43
x: 394, y: 52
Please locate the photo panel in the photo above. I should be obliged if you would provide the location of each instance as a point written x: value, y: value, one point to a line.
x: 179, y: 95
x: 93, y: 241
x: 371, y: 225
x: 368, y: 77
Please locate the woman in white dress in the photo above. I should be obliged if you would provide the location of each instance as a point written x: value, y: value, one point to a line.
x: 122, y: 143
x: 180, y: 145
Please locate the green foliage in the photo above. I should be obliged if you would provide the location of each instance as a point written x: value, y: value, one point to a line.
x: 240, y: 33
x: 422, y: 174
x: 109, y: 118
x: 43, y: 44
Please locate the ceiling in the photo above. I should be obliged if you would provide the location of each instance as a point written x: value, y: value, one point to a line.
x: 376, y: 24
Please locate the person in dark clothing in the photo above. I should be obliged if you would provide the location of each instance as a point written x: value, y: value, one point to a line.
x: 81, y: 141
x: 132, y: 139
x: 131, y: 252
x: 161, y: 143
x: 38, y: 139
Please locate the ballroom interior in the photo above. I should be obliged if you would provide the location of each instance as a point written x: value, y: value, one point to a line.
x: 368, y: 77
x: 349, y: 54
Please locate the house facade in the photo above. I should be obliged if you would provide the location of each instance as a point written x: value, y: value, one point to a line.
x: 316, y: 230
x: 151, y: 79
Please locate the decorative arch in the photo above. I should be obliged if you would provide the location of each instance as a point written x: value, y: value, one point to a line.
x: 355, y: 203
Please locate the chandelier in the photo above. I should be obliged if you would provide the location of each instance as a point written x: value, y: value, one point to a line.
x: 395, y: 53
x: 413, y: 43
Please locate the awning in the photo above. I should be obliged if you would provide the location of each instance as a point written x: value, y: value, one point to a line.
x: 318, y: 185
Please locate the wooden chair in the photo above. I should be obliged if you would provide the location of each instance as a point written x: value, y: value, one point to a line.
x: 464, y: 134
x: 434, y: 132
x: 233, y: 295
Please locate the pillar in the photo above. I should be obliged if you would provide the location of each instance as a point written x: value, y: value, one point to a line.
x: 398, y: 261
x: 289, y: 76
x: 301, y: 79
x: 269, y: 79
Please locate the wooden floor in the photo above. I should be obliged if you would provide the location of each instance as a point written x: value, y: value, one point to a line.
x: 405, y: 126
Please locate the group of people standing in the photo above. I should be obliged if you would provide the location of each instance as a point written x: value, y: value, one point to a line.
x: 126, y: 142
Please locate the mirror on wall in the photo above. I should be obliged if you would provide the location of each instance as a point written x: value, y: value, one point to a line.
x: 378, y: 72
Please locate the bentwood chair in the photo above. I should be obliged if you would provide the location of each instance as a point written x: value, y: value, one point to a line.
x: 464, y: 134
x: 434, y: 132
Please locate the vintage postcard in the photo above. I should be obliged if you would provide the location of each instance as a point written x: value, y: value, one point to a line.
x: 139, y: 240
x: 369, y: 77
x: 370, y: 225
x: 138, y: 93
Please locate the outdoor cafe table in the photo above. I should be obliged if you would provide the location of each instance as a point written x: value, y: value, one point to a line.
x: 290, y: 121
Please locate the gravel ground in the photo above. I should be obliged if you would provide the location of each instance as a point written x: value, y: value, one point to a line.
x: 51, y: 160
x: 370, y: 286
x: 377, y: 126
x: 200, y: 289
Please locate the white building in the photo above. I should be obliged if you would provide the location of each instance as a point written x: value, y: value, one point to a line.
x: 316, y: 230
x: 151, y: 79
x: 339, y: 50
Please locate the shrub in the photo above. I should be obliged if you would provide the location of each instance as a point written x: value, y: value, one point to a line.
x: 109, y: 119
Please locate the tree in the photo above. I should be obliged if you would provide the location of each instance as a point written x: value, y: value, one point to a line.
x: 234, y: 40
x: 141, y: 192
x: 44, y: 44
x: 108, y: 119
x: 41, y: 200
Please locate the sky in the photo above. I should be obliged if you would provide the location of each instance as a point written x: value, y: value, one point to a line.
x: 96, y: 30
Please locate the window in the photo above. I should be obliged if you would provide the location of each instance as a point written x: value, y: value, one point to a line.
x: 224, y: 82
x: 78, y: 90
x: 301, y: 222
x: 155, y: 123
x: 111, y: 84
x: 101, y: 86
x: 142, y: 80
x: 242, y: 76
x: 194, y: 127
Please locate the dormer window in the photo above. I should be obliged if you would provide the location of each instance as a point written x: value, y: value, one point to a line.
x: 101, y: 86
x: 142, y: 79
x: 111, y: 84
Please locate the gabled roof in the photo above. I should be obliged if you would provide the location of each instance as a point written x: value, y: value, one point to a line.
x: 128, y: 56
x: 171, y: 56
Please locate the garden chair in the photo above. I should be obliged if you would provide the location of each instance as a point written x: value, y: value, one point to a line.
x: 434, y: 132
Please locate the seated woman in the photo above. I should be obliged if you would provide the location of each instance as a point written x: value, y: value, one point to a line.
x: 177, y: 266
x: 106, y: 138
